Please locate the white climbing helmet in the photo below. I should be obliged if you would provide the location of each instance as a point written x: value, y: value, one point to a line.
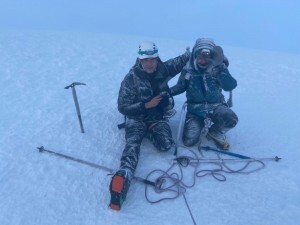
x: 147, y: 49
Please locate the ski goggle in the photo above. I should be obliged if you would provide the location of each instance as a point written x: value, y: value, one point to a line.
x: 149, y: 52
x: 203, y: 53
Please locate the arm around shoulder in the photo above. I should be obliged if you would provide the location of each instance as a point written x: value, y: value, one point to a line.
x: 181, y: 85
x: 175, y: 65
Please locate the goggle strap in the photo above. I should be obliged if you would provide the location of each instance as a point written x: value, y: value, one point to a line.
x: 149, y: 52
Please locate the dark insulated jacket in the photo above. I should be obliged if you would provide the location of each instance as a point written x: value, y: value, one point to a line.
x: 203, y: 90
x: 139, y: 87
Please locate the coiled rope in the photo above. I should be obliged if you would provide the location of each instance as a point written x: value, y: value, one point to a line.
x: 172, y: 184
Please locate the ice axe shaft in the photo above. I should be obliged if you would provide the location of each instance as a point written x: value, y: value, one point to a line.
x: 76, y: 102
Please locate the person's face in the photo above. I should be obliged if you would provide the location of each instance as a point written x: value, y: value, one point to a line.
x: 149, y: 64
x: 201, y: 60
x: 203, y: 57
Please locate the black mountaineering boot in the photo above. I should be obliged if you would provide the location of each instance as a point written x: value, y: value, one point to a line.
x: 118, y: 188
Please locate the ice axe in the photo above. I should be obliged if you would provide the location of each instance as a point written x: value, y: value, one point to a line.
x: 76, y: 102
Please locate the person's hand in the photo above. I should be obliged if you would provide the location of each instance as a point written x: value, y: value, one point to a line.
x: 164, y: 94
x: 221, y: 67
x: 217, y: 70
x: 218, y: 56
x: 153, y: 102
x: 218, y: 64
x: 188, y: 51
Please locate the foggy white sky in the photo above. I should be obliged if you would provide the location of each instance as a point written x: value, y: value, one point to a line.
x: 262, y: 24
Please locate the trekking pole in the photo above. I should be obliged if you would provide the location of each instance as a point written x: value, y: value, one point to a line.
x: 208, y: 148
x: 229, y: 101
x: 42, y: 149
x: 207, y: 124
x: 76, y: 102
x: 185, y: 161
x: 180, y: 128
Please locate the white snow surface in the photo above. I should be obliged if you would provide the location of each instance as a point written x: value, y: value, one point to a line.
x: 36, y: 110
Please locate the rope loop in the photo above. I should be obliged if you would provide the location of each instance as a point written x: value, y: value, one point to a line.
x: 170, y: 184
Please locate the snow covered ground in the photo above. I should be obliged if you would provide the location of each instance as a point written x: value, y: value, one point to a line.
x: 36, y: 110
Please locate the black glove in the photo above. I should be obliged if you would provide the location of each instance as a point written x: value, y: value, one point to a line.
x: 166, y: 99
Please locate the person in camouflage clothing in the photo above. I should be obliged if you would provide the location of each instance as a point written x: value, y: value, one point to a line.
x: 203, y: 79
x: 145, y: 100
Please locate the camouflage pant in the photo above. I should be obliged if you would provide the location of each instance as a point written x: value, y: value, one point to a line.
x: 159, y: 133
x: 223, y: 119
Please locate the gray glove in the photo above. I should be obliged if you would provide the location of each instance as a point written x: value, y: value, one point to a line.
x: 188, y: 52
x: 218, y: 56
x: 217, y: 63
x: 220, y: 62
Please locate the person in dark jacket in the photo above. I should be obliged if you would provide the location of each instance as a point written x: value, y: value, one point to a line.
x: 145, y: 100
x: 204, y: 77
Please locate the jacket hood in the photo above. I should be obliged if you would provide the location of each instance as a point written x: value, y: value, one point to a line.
x: 201, y: 43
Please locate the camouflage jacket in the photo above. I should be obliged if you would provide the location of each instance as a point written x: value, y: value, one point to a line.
x: 139, y: 87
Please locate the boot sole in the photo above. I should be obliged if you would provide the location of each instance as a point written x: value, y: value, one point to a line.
x: 116, y: 189
x: 218, y: 143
